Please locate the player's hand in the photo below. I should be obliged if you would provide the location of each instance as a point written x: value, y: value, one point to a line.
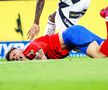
x: 34, y: 31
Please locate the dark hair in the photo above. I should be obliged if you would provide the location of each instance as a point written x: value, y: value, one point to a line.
x: 8, y: 54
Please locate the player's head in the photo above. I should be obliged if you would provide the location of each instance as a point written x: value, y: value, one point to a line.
x: 15, y: 54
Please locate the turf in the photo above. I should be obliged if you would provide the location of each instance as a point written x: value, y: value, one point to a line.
x: 66, y: 74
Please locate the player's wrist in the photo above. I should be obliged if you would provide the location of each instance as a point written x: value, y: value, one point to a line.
x: 36, y: 24
x: 36, y: 20
x: 36, y: 27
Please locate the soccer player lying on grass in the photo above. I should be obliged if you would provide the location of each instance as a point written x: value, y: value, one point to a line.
x: 58, y: 45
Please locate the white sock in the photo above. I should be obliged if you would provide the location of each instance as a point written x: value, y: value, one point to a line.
x: 106, y: 18
x: 50, y: 28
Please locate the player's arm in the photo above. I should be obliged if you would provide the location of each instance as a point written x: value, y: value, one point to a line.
x: 40, y: 55
x: 35, y: 28
x: 38, y: 12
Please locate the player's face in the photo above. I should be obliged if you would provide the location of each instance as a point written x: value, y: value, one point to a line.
x: 40, y: 55
x: 17, y: 55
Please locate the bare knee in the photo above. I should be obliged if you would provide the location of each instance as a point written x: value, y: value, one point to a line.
x: 93, y: 50
x: 52, y: 17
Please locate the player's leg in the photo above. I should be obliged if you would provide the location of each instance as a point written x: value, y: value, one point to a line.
x: 80, y: 37
x: 106, y: 18
x: 93, y: 50
x: 104, y: 14
x: 50, y: 28
x: 104, y: 46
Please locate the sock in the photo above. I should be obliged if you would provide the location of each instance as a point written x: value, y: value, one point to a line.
x: 107, y: 25
x: 50, y: 28
x: 104, y: 48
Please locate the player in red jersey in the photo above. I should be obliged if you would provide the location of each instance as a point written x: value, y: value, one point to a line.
x: 50, y: 45
x: 58, y: 45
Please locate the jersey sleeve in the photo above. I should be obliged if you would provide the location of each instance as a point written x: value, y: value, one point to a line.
x: 30, y: 51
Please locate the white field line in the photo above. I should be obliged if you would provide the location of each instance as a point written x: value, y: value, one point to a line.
x: 33, y: 61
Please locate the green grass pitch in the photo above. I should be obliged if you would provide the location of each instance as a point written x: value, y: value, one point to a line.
x: 64, y: 74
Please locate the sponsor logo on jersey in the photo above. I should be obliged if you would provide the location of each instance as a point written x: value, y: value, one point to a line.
x: 74, y: 15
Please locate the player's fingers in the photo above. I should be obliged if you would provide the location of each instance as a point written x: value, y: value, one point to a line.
x: 29, y: 37
x: 32, y: 37
x: 28, y: 34
x: 37, y: 33
x: 31, y: 34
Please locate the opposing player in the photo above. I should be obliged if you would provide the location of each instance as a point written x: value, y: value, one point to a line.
x: 68, y: 14
x: 58, y: 45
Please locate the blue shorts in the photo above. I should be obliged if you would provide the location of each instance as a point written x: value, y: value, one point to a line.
x: 80, y: 37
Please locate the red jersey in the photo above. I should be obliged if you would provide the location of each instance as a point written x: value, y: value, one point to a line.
x: 50, y: 45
